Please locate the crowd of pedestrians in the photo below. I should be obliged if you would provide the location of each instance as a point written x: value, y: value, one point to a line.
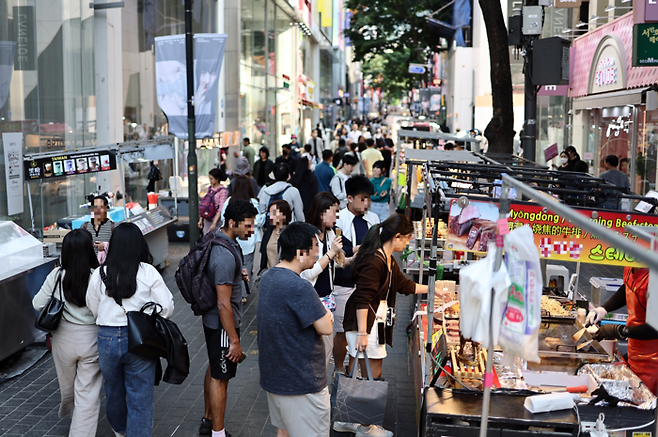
x: 326, y: 282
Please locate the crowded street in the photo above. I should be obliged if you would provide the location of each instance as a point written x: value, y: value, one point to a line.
x: 328, y: 218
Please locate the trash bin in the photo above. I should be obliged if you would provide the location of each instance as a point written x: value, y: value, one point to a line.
x: 603, y: 289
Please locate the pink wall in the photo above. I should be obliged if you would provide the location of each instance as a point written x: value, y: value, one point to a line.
x: 584, y: 48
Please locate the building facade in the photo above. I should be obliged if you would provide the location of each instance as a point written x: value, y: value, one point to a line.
x: 72, y: 77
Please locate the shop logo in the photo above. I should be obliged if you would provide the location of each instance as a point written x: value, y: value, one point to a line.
x: 617, y: 125
x: 606, y: 73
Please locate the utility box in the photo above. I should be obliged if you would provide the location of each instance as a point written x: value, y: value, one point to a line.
x: 515, y: 35
x: 533, y: 16
x: 550, y: 61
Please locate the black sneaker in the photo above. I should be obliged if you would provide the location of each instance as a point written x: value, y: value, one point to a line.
x: 206, y: 427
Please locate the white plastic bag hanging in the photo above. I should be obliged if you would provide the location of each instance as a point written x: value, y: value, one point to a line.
x: 475, y: 284
x: 519, y: 332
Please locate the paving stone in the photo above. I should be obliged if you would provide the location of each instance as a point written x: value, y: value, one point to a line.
x: 30, y: 402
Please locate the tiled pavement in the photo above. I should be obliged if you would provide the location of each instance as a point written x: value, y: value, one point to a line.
x: 29, y: 403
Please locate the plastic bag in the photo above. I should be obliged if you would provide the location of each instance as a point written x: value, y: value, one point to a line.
x: 475, y: 284
x: 519, y: 332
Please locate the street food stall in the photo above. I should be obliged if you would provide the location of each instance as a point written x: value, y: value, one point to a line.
x: 423, y: 141
x: 151, y: 218
x: 462, y: 384
x: 23, y: 268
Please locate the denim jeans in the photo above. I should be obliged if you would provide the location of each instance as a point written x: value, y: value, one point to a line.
x: 128, y: 381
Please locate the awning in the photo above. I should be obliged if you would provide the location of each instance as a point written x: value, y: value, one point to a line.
x: 616, y: 98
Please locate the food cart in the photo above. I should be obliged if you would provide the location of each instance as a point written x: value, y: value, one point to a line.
x: 23, y: 268
x: 418, y: 140
x: 153, y: 222
x: 450, y: 408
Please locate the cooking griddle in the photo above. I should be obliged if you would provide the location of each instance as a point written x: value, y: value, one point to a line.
x: 555, y: 340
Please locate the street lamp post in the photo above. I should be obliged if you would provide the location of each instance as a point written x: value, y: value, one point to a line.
x: 193, y: 191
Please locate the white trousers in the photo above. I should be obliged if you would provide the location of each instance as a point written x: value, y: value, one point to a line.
x: 75, y: 352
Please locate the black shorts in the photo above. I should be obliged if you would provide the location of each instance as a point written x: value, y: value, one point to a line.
x: 217, y: 344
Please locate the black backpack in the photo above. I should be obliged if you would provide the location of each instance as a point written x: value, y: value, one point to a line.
x: 192, y: 279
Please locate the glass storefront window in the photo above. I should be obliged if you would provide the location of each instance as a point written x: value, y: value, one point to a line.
x: 647, y: 144
x: 615, y: 134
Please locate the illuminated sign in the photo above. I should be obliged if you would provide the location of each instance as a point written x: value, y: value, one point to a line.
x: 606, y: 73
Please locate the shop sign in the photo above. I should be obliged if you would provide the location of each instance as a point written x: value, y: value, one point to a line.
x: 555, y: 237
x: 25, y: 57
x: 645, y: 45
x: 70, y: 164
x: 617, y: 125
x: 651, y: 10
x: 608, y: 71
x: 25, y: 126
x: 567, y: 3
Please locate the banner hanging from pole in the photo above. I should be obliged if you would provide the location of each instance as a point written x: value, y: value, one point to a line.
x: 13, y: 151
x: 171, y: 82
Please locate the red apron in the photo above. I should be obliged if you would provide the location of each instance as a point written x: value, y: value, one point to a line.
x: 642, y: 354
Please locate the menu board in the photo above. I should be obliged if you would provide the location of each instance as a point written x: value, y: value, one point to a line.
x: 70, y: 164
x: 149, y: 220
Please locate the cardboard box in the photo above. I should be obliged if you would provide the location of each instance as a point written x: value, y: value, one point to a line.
x: 55, y: 236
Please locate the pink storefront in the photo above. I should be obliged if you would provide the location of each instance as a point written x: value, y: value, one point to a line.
x: 614, y: 104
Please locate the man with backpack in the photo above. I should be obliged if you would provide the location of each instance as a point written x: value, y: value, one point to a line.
x: 337, y: 183
x: 281, y: 189
x: 221, y: 323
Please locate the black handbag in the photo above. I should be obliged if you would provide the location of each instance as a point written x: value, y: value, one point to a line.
x: 50, y: 315
x: 143, y: 337
x: 356, y: 400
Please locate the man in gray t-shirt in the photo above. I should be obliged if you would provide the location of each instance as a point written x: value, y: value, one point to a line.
x: 221, y: 324
x: 615, y: 177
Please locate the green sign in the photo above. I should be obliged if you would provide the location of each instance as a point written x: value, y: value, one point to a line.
x: 645, y: 45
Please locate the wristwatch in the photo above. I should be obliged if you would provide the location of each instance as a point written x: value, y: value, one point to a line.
x: 328, y: 257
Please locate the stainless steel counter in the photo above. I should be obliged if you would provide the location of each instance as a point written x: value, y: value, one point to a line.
x: 17, y: 288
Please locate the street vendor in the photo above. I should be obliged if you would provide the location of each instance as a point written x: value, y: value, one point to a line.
x: 642, y: 338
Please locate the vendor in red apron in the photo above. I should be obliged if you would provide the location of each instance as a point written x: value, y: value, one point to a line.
x: 642, y: 338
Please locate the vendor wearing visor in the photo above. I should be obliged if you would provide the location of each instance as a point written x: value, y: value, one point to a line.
x: 642, y: 338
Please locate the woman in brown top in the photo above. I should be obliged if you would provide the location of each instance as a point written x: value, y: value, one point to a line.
x: 369, y: 313
x: 280, y: 216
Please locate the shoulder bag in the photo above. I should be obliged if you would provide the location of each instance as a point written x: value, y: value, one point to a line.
x: 143, y: 337
x: 50, y: 315
x: 357, y: 400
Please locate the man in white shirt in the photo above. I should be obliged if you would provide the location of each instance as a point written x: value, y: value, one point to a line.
x: 355, y: 133
x: 337, y: 183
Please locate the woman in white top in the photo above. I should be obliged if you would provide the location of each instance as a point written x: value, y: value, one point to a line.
x: 75, y: 351
x: 130, y: 282
x: 244, y: 190
x: 322, y: 215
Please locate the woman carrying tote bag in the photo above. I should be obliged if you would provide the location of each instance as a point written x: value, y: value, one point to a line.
x: 132, y: 282
x: 75, y: 351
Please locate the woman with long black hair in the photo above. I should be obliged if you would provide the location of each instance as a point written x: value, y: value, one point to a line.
x: 125, y: 282
x: 322, y: 215
x: 74, y: 343
x: 378, y: 278
x: 369, y: 312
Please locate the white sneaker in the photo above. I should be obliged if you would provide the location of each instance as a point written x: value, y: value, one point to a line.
x: 346, y: 427
x: 372, y: 431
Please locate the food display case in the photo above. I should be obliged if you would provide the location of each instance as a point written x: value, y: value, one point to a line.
x: 23, y: 269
